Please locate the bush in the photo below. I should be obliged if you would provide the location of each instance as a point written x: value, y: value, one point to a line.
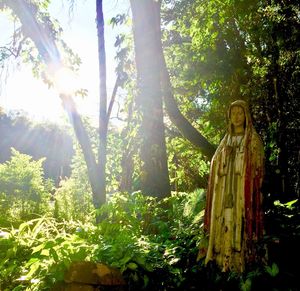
x: 73, y: 203
x: 154, y: 244
x: 139, y: 235
x: 35, y: 256
x: 24, y: 192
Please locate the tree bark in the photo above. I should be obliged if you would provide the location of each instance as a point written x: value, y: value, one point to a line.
x: 86, y: 147
x: 153, y: 42
x: 154, y: 177
x: 184, y: 126
x: 103, y: 119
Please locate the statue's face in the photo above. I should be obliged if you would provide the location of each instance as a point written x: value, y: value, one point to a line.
x: 237, y: 116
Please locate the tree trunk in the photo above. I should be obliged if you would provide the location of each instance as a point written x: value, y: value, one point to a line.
x: 44, y: 40
x: 127, y: 163
x: 149, y: 13
x: 154, y: 177
x: 86, y: 147
x: 184, y: 126
x: 103, y: 119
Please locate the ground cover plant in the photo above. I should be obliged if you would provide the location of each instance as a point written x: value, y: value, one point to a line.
x: 153, y: 243
x: 137, y: 234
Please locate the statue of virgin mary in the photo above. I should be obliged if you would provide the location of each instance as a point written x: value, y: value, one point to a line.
x: 233, y: 214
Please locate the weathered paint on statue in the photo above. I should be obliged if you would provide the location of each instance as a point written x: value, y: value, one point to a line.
x: 233, y: 214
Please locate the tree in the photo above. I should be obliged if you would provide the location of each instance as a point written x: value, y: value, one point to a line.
x: 103, y: 118
x: 220, y: 52
x: 187, y: 130
x: 40, y: 30
x: 104, y: 110
x: 154, y: 81
x: 154, y: 176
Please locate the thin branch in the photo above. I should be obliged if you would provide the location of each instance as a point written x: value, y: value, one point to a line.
x: 10, y: 50
x: 20, y: 45
x: 112, y: 99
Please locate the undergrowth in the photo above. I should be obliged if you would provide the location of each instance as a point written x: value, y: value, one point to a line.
x: 153, y: 243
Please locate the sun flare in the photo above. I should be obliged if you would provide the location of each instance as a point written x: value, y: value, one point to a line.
x: 65, y: 81
x: 31, y: 96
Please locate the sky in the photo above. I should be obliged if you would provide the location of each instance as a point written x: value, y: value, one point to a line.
x: 21, y: 91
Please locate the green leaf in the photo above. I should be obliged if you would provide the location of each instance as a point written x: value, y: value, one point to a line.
x: 33, y: 268
x: 31, y: 261
x: 38, y: 248
x: 246, y: 286
x: 23, y: 226
x: 272, y: 271
x: 290, y: 203
x: 45, y: 252
x: 132, y: 266
x: 146, y: 280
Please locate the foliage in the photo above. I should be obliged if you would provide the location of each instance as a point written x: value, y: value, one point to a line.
x: 153, y: 243
x: 73, y: 200
x: 115, y: 148
x: 218, y: 52
x: 215, y: 52
x: 73, y: 196
x: 187, y: 167
x: 283, y: 237
x: 25, y: 193
x: 21, y: 47
x: 34, y: 256
x: 138, y: 234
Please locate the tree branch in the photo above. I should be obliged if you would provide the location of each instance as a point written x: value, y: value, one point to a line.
x: 113, y: 98
x: 10, y: 50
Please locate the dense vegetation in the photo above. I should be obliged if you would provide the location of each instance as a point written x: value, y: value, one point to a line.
x: 154, y: 243
x: 39, y: 141
x: 208, y: 54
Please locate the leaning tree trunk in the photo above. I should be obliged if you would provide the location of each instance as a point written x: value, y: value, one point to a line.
x: 150, y: 28
x: 86, y: 147
x: 44, y: 40
x: 154, y: 177
x: 178, y: 119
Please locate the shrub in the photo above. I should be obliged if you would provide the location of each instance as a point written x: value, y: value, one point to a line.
x: 153, y: 243
x: 24, y: 192
x: 35, y: 256
x: 72, y: 202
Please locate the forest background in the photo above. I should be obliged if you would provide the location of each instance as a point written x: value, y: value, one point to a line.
x: 181, y: 63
